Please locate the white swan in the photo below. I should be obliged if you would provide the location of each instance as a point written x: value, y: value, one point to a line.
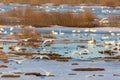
x: 86, y: 30
x: 5, y: 32
x: 109, y: 42
x: 41, y: 57
x: 93, y: 30
x: 91, y: 41
x: 11, y: 28
x: 46, y: 72
x: 112, y: 34
x: 116, y: 49
x: 78, y: 31
x: 19, y: 61
x: 61, y: 33
x: 73, y: 31
x: 11, y: 33
x: 2, y: 29
x: 53, y: 32
x: 17, y: 48
x: 47, y: 40
x: 105, y: 37
x: 81, y: 52
x: 84, y: 51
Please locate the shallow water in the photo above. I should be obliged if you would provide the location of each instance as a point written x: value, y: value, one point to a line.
x: 61, y: 70
x: 100, y: 11
x: 71, y: 47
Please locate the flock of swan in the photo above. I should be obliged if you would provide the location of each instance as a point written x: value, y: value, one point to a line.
x: 3, y: 31
x: 93, y: 41
x: 73, y: 31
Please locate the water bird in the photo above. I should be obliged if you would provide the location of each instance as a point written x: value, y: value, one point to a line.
x: 11, y: 28
x: 112, y: 34
x: 19, y: 61
x: 78, y: 31
x: 116, y: 49
x: 118, y: 43
x: 86, y: 30
x: 93, y: 30
x: 61, y: 33
x: 46, y: 72
x: 81, y: 52
x: 2, y: 29
x: 17, y: 48
x: 5, y: 32
x: 40, y: 57
x: 109, y: 42
x: 11, y: 33
x: 84, y: 52
x: 7, y: 73
x: 118, y: 34
x: 47, y: 40
x: 105, y: 37
x: 91, y: 41
x: 53, y: 32
x: 73, y: 31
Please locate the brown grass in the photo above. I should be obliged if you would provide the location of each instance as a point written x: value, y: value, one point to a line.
x: 72, y: 2
x: 3, y: 55
x: 3, y: 66
x: 10, y: 76
x: 88, y: 69
x: 81, y: 19
x: 21, y: 53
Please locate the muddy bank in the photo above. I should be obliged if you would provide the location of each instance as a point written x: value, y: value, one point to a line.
x: 88, y: 69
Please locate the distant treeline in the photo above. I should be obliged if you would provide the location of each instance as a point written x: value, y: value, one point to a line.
x: 111, y: 3
x: 42, y: 19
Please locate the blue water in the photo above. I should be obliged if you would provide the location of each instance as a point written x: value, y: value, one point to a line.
x: 70, y: 48
x: 100, y: 11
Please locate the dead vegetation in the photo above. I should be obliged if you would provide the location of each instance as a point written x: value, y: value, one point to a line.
x: 71, y: 2
x: 43, y: 18
x: 3, y: 56
x: 88, y: 69
x: 10, y: 76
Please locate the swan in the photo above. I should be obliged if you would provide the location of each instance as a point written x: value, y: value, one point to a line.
x: 11, y: 28
x: 84, y: 51
x: 112, y: 34
x: 105, y: 37
x: 19, y: 61
x: 73, y: 31
x: 91, y: 41
x: 46, y: 72
x: 86, y: 30
x: 115, y: 49
x: 41, y: 57
x: 81, y: 52
x: 17, y: 48
x: 78, y: 31
x: 47, y: 40
x: 5, y: 32
x: 118, y: 34
x: 118, y: 43
x: 93, y: 30
x: 53, y: 32
x: 11, y: 33
x: 61, y: 33
x: 109, y: 42
x: 2, y: 29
